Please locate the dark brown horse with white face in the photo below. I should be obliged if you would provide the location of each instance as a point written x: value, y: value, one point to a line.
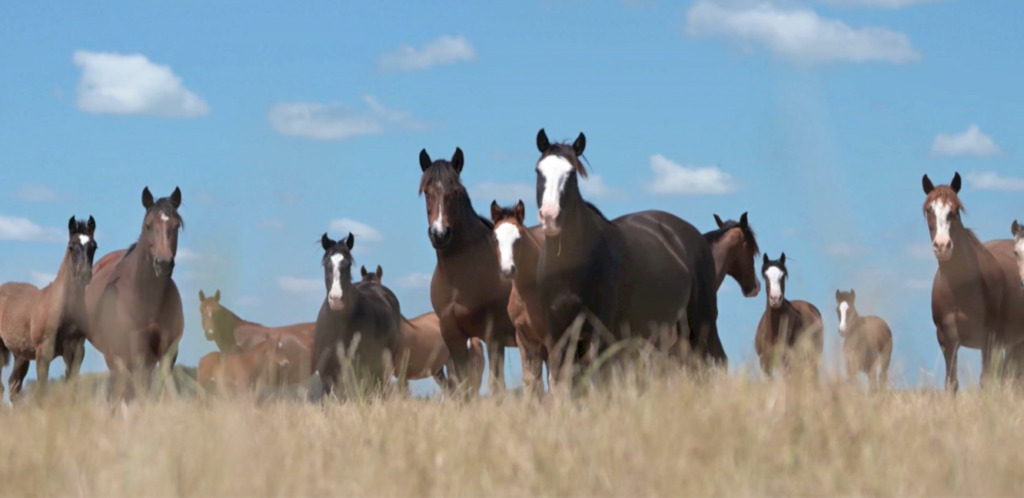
x: 233, y: 334
x: 648, y: 274
x: 135, y: 310
x: 466, y: 291
x: 790, y: 332
x: 37, y: 324
x: 976, y: 294
x: 735, y: 249
x: 867, y: 341
x: 519, y: 250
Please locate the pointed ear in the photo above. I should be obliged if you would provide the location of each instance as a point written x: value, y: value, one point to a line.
x: 380, y: 273
x: 71, y: 226
x: 457, y: 160
x: 202, y: 295
x: 495, y: 211
x: 350, y: 241
x: 782, y: 258
x: 579, y: 144
x: 1015, y: 228
x: 926, y: 184
x: 765, y: 259
x: 955, y: 184
x: 425, y: 161
x: 520, y: 211
x: 91, y: 225
x: 326, y: 241
x: 216, y: 296
x: 543, y: 144
x: 362, y: 271
x: 743, y: 220
x: 853, y: 295
x: 147, y: 198
x: 837, y: 295
x: 718, y: 221
x: 176, y: 197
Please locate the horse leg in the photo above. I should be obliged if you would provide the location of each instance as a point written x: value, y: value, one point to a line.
x: 987, y: 347
x: 950, y: 343
x: 883, y: 368
x: 495, y: 354
x: 74, y: 353
x: 530, y: 354
x: 44, y: 354
x: 18, y: 373
x: 5, y: 356
x: 459, y: 375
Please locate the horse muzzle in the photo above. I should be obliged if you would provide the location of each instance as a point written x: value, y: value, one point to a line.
x: 775, y: 301
x: 336, y: 304
x: 163, y: 267
x: 753, y: 292
x: 508, y: 273
x: 440, y: 240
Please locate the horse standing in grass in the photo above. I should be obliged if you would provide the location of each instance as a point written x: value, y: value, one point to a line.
x: 232, y: 334
x: 867, y: 342
x: 267, y: 363
x: 519, y: 250
x: 136, y: 316
x: 735, y: 251
x: 466, y: 291
x: 790, y: 332
x: 647, y: 274
x: 37, y: 324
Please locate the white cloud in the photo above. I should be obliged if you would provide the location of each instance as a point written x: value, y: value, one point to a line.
x: 797, y: 34
x: 671, y: 178
x: 185, y: 254
x: 444, y: 50
x: 884, y: 4
x: 363, y: 232
x: 969, y: 143
x: 990, y: 180
x: 336, y: 121
x: 504, y: 193
x: 844, y: 250
x: 24, y: 230
x: 594, y: 187
x: 35, y: 193
x: 919, y: 251
x: 414, y: 281
x: 41, y: 279
x: 131, y: 84
x: 298, y: 285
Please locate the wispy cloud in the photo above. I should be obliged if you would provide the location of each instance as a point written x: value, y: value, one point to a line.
x: 130, y: 84
x: 883, y: 4
x: 414, y: 281
x: 298, y: 285
x: 24, y: 230
x: 363, y: 232
x: 35, y: 193
x: 844, y: 250
x: 336, y: 121
x: 504, y: 193
x: 990, y: 180
x: 672, y: 178
x: 444, y: 50
x: 186, y: 255
x: 969, y: 143
x: 797, y: 34
x: 41, y: 279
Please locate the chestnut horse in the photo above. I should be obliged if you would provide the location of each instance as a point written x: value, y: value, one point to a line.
x: 350, y: 311
x: 976, y: 293
x: 136, y: 317
x: 735, y: 250
x: 648, y: 274
x: 264, y: 363
x: 867, y: 342
x: 519, y: 249
x: 466, y: 291
x: 789, y: 331
x: 37, y: 324
x: 233, y: 334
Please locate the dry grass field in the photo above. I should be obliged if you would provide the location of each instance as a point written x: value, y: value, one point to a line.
x: 726, y: 435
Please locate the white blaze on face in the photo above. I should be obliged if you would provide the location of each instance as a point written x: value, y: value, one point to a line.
x: 507, y: 235
x: 774, y: 277
x: 335, y: 294
x: 555, y: 170
x: 843, y: 308
x: 164, y: 217
x: 438, y: 225
x: 941, y: 211
x: 83, y: 239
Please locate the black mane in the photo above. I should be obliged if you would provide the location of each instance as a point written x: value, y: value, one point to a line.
x: 442, y: 171
x: 748, y: 233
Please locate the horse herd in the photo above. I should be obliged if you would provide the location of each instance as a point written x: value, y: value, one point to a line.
x: 568, y: 292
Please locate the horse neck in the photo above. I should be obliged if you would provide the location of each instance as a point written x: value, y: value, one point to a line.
x: 64, y: 289
x: 145, y: 279
x: 526, y: 275
x: 775, y: 317
x: 580, y: 231
x: 722, y: 253
x: 225, y: 322
x: 468, y: 232
x: 963, y: 266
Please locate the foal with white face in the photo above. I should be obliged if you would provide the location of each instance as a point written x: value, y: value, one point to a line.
x: 789, y: 331
x: 867, y: 341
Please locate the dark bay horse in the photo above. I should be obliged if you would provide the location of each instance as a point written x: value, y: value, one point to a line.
x: 136, y: 316
x: 37, y: 324
x: 232, y: 334
x: 867, y: 341
x: 519, y: 249
x: 647, y: 274
x: 347, y: 313
x: 790, y: 332
x: 466, y: 291
x: 976, y: 293
x: 735, y: 250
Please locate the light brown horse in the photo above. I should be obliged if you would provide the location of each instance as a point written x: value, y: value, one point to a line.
x: 136, y: 317
x: 519, y: 249
x: 790, y: 332
x: 735, y: 250
x: 976, y: 293
x: 37, y: 324
x: 232, y: 334
x: 867, y: 342
x: 267, y: 363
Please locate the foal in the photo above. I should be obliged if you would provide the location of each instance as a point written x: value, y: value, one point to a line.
x: 867, y: 342
x: 36, y: 324
x: 790, y: 331
x: 267, y: 362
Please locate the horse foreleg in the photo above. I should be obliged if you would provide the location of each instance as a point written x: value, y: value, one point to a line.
x: 950, y: 344
x: 44, y: 354
x: 74, y: 353
x: 166, y: 365
x: 495, y: 355
x: 987, y: 348
x: 18, y: 373
x: 530, y: 353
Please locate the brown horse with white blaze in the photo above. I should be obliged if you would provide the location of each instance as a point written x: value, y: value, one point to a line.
x: 735, y: 251
x: 790, y: 332
x: 37, y: 324
x: 867, y: 341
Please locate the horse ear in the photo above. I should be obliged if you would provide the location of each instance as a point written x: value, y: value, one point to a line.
x: 718, y: 221
x: 216, y: 296
x: 350, y: 241
x: 765, y: 258
x: 782, y: 258
x: 837, y: 294
x: 326, y: 242
x: 495, y: 211
x: 362, y: 271
x: 1014, y: 228
x: 91, y: 225
x: 520, y: 211
x: 425, y: 161
x: 457, y: 160
x: 543, y: 144
x: 743, y: 219
x: 380, y: 273
x: 853, y: 295
x: 202, y: 295
x: 147, y: 198
x: 579, y: 144
x: 926, y: 183
x: 176, y: 197
x: 955, y: 184
x: 71, y: 226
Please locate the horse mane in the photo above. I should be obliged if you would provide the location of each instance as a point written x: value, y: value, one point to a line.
x: 748, y: 233
x: 130, y: 249
x: 486, y: 221
x: 565, y: 151
x: 597, y: 211
x: 946, y: 194
x: 441, y: 172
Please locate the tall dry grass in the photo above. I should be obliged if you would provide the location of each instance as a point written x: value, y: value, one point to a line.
x: 724, y: 435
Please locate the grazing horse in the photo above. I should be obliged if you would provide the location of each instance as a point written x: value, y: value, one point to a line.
x: 237, y: 372
x: 468, y: 295
x: 37, y: 324
x: 735, y: 249
x: 976, y: 293
x: 790, y: 331
x: 232, y: 334
x: 349, y: 311
x: 519, y: 249
x: 647, y: 273
x: 867, y: 342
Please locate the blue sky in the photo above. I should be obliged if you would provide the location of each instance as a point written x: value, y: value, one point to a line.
x: 818, y: 117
